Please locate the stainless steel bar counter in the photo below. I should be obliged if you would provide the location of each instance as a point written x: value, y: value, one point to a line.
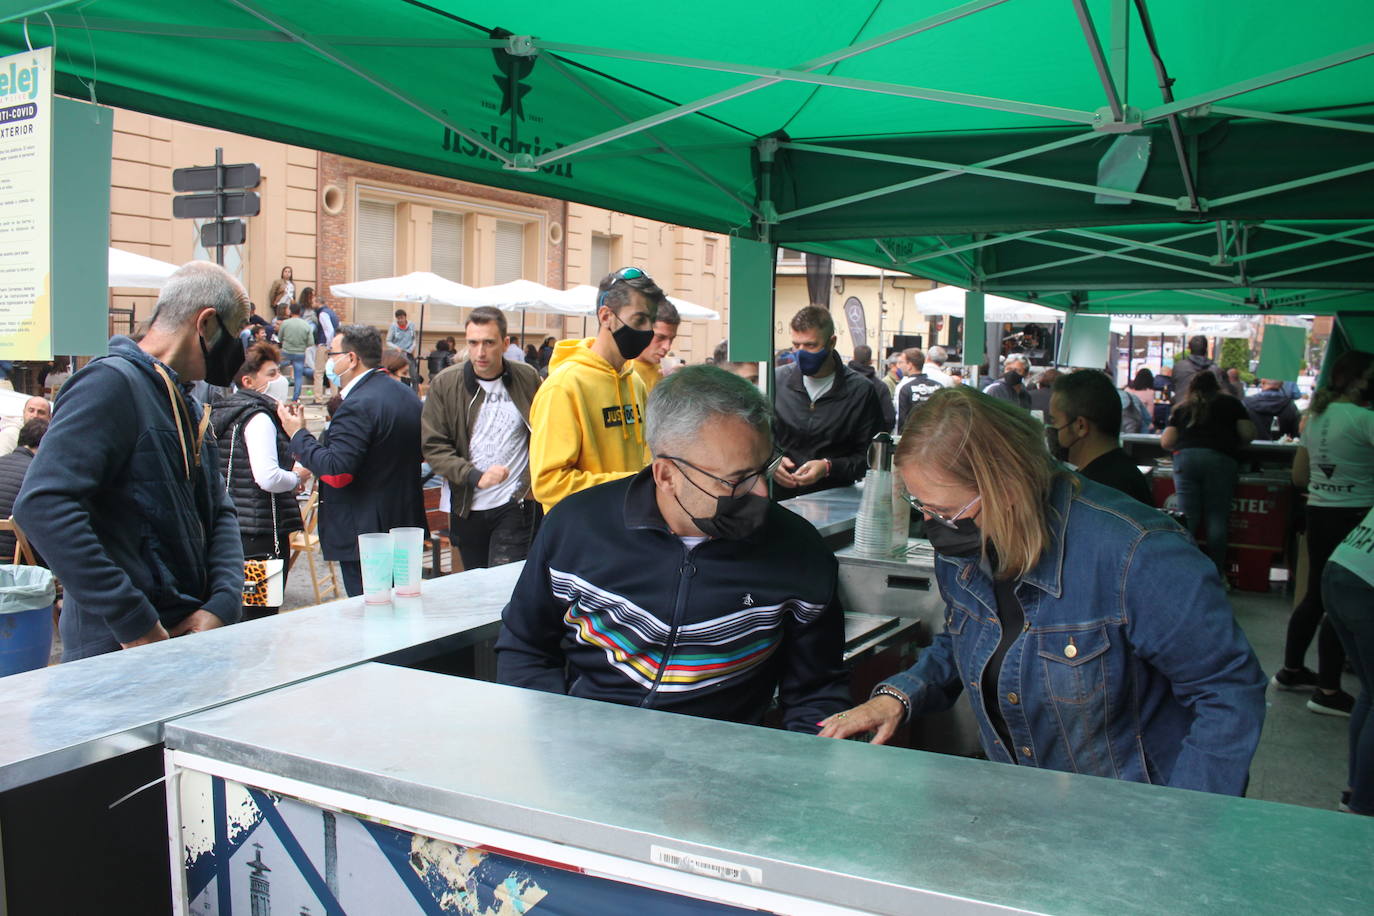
x: 61, y: 718
x: 444, y: 770
x: 76, y: 738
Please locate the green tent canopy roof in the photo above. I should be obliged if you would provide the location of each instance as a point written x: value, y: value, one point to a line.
x: 974, y: 143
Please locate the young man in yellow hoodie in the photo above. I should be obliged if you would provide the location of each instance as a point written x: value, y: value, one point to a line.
x: 649, y: 364
x: 587, y: 420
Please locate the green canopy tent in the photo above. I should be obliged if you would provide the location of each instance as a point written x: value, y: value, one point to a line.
x: 1023, y: 147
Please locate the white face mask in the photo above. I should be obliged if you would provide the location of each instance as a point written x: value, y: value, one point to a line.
x: 277, y: 388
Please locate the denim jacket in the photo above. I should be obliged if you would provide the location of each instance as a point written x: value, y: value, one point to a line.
x: 1129, y: 665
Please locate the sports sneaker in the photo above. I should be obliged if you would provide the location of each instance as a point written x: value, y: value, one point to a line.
x: 1294, y: 679
x: 1339, y: 703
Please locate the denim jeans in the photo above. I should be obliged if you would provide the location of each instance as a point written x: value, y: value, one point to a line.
x: 1349, y: 602
x: 299, y: 372
x: 1206, y: 481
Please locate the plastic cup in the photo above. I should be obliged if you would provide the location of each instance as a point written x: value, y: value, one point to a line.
x: 376, y: 555
x: 408, y: 546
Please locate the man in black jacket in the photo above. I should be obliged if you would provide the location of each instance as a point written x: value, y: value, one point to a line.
x: 1273, y: 411
x: 682, y: 588
x: 862, y: 363
x: 1196, y: 361
x: 125, y: 499
x: 13, y: 467
x: 370, y: 470
x: 826, y: 415
x: 1012, y: 385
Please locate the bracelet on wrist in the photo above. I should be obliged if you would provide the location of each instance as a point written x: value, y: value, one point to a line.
x: 884, y: 690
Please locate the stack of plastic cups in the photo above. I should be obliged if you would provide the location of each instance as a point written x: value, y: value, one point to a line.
x: 873, y: 526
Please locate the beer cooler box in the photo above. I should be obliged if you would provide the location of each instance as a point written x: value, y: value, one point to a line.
x: 1261, y: 517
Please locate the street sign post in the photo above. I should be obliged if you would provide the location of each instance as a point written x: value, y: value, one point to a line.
x: 224, y: 192
x: 214, y: 206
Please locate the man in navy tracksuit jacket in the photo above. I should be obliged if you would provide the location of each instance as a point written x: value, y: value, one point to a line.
x: 618, y: 603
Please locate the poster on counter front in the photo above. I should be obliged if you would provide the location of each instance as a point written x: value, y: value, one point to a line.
x: 26, y: 205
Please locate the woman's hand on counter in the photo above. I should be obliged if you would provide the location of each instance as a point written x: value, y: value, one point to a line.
x: 880, y: 715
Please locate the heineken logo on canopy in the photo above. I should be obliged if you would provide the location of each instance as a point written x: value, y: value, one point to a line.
x: 511, y: 73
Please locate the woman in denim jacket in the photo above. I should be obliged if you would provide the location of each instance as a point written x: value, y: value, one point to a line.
x: 1089, y: 633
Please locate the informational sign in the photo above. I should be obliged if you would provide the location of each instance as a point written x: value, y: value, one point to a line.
x: 1282, y: 352
x: 751, y: 301
x: 1086, y: 341
x: 26, y: 205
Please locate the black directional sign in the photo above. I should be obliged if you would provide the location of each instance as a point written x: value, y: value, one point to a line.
x: 202, y: 206
x: 203, y: 177
x: 223, y: 232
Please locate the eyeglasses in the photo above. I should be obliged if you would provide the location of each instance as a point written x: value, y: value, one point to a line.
x: 949, y: 521
x: 737, y: 487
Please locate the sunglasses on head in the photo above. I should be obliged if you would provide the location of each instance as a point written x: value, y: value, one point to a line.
x: 624, y: 273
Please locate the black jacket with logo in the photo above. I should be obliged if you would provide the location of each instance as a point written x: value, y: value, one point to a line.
x: 839, y: 426
x: 914, y: 391
x: 613, y: 606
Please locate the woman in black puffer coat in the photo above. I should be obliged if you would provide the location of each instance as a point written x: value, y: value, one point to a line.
x: 255, y: 458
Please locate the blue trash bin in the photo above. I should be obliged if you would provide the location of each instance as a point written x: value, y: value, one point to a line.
x: 26, y: 599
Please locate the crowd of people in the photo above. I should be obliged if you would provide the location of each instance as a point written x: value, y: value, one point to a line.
x: 1090, y: 631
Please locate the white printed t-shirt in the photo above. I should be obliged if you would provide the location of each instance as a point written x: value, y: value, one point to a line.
x: 500, y: 438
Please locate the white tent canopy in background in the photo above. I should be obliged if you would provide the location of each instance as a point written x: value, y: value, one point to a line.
x: 420, y: 286
x: 136, y: 271
x: 583, y: 300
x: 949, y: 300
x: 1149, y: 325
x: 525, y: 296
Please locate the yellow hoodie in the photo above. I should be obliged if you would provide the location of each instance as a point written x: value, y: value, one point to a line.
x: 648, y: 373
x: 587, y: 424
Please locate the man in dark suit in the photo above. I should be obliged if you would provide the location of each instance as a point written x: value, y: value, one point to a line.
x: 370, y: 469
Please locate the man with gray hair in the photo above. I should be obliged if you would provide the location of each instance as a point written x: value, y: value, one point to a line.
x: 936, y: 357
x: 124, y: 499
x: 682, y: 588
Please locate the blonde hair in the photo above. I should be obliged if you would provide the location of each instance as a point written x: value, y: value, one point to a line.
x: 998, y: 450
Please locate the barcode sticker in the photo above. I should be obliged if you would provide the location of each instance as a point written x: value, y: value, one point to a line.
x: 700, y: 865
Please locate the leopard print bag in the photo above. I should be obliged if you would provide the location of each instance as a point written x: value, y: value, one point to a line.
x: 264, y: 580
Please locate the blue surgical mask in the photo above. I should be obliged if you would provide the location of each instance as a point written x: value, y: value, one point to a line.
x: 330, y: 374
x: 811, y: 362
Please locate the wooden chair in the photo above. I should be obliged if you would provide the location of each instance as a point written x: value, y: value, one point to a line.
x: 437, y: 534
x: 24, y: 556
x: 23, y: 551
x: 307, y: 542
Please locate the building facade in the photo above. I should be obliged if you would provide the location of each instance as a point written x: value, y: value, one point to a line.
x: 332, y: 220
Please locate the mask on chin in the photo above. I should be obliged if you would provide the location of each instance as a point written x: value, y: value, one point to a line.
x: 809, y: 362
x: 963, y: 540
x: 222, y: 358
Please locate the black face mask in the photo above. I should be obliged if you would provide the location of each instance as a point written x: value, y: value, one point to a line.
x: 1012, y: 378
x: 223, y: 358
x: 1059, y: 452
x: 631, y: 342
x: 963, y: 540
x: 736, y: 517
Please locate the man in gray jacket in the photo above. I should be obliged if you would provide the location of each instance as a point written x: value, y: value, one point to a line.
x: 476, y: 434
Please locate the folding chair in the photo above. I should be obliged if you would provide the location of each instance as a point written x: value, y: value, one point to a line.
x: 306, y: 542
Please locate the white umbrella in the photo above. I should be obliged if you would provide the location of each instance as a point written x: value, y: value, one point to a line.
x: 583, y: 299
x: 421, y: 286
x: 137, y: 271
x: 525, y: 296
x: 949, y: 300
